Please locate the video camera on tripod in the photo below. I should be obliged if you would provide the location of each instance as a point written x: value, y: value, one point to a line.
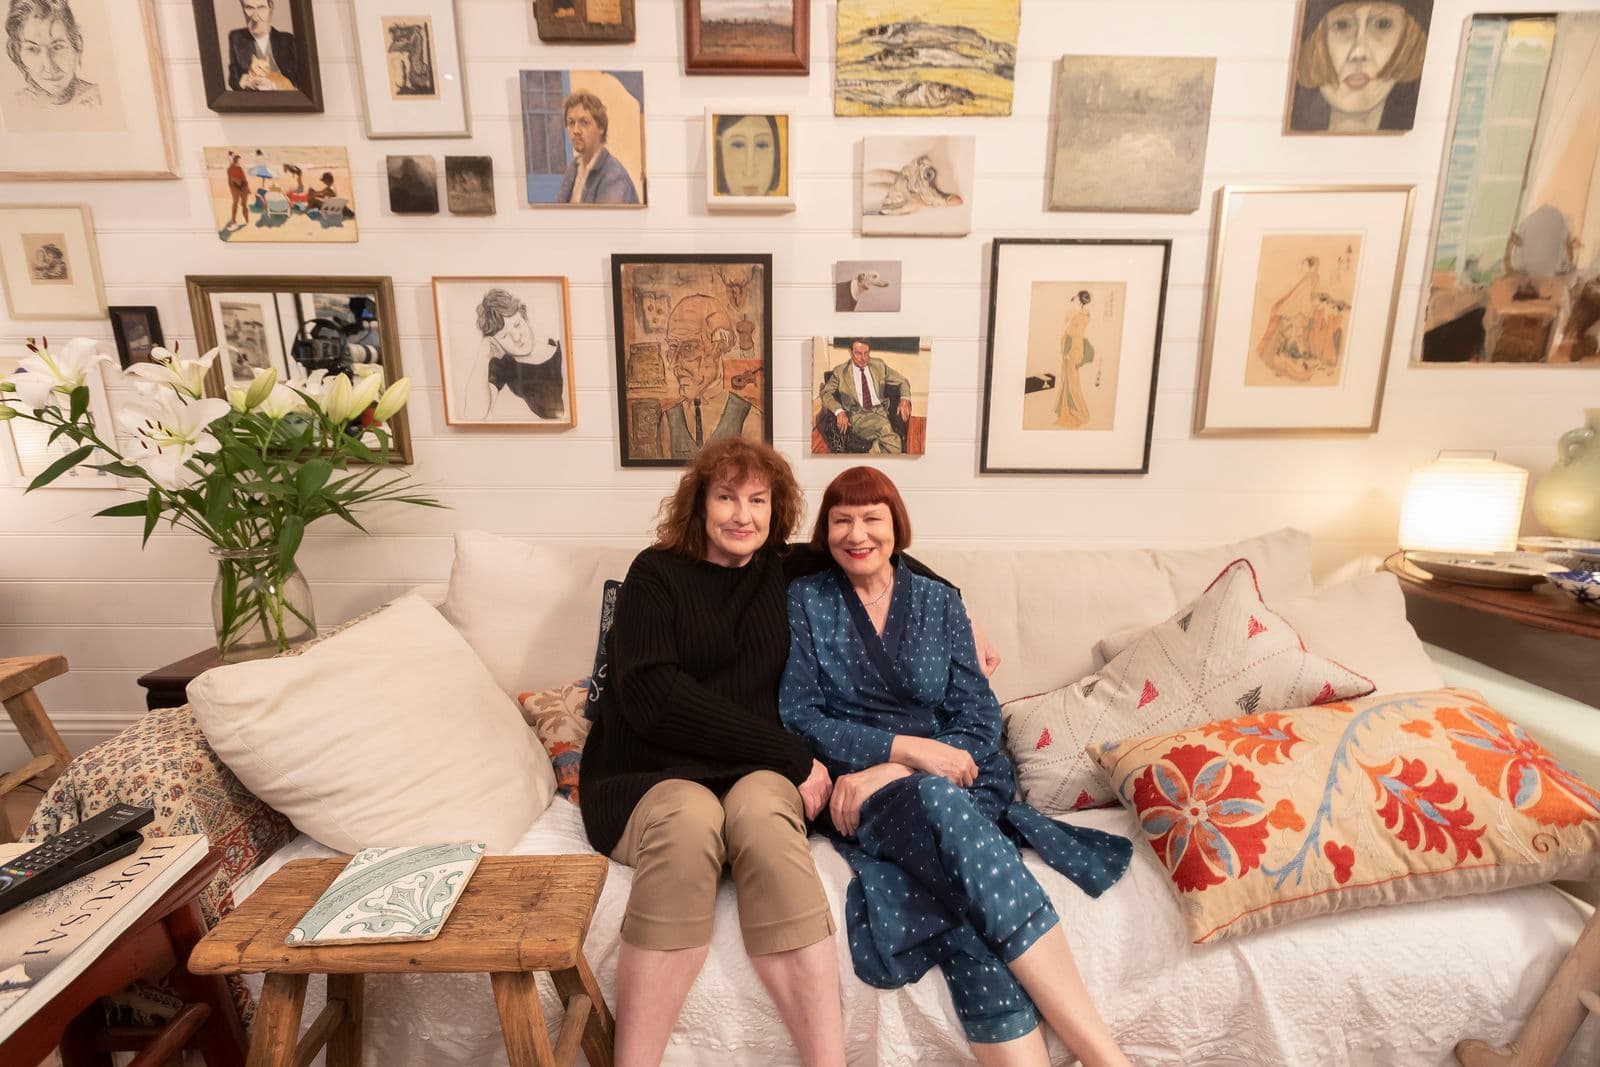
x: 329, y: 344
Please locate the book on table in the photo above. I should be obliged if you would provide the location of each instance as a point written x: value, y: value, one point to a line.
x: 47, y: 942
x: 390, y: 894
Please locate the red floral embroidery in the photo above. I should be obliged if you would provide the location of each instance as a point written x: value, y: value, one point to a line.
x: 1203, y: 816
x: 1284, y: 817
x: 1254, y: 628
x: 1343, y: 858
x: 1044, y: 740
x: 1511, y: 764
x: 1420, y: 727
x: 1266, y: 739
x: 1148, y: 693
x: 1325, y: 694
x: 1415, y: 809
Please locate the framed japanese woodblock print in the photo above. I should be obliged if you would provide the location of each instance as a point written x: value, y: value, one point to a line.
x: 584, y: 20
x: 49, y: 265
x: 694, y: 353
x: 408, y: 54
x: 1304, y: 286
x: 505, y: 352
x: 1074, y: 347
x: 747, y: 36
x: 83, y: 92
x: 258, y: 55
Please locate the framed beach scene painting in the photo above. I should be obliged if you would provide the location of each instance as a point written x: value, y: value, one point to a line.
x: 281, y: 194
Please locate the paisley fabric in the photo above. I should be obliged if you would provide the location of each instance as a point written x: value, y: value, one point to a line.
x: 560, y: 718
x: 1277, y: 816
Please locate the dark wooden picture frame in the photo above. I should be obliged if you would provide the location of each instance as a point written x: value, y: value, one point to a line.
x: 306, y: 97
x: 152, y: 325
x: 202, y: 287
x: 643, y: 362
x: 567, y: 22
x: 793, y: 58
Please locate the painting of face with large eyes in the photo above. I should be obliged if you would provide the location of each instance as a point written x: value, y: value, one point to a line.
x: 747, y: 162
x: 1357, y: 66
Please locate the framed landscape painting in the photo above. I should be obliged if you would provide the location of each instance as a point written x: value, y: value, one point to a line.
x: 694, y: 353
x: 1305, y: 281
x: 83, y: 92
x: 747, y: 36
x: 1073, y: 350
x: 910, y: 57
x: 505, y: 352
x: 580, y: 21
x: 583, y: 137
x: 408, y: 59
x: 258, y: 55
x: 49, y: 265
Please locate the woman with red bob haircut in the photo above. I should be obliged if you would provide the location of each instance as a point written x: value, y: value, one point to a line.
x: 884, y: 684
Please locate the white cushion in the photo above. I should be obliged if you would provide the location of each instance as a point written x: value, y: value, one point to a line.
x: 1360, y: 623
x: 388, y: 733
x: 1222, y: 655
x: 530, y: 611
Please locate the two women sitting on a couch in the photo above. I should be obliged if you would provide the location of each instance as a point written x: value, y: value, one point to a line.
x: 894, y: 754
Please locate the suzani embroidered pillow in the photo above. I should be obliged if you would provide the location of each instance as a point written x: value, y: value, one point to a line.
x: 1283, y: 815
x: 1224, y: 653
x: 559, y: 717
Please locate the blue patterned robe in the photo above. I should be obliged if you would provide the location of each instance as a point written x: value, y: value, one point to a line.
x: 939, y: 878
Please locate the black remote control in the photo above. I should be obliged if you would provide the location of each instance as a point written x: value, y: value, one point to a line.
x: 91, y: 844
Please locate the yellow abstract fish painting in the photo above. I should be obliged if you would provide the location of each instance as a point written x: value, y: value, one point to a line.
x: 904, y: 57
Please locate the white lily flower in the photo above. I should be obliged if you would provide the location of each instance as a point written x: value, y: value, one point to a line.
x: 364, y: 395
x: 187, y: 376
x: 166, y: 432
x: 236, y: 399
x: 7, y: 412
x: 33, y: 391
x: 393, y: 399
x: 336, y: 398
x: 282, y: 402
x: 264, y: 382
x: 61, y: 371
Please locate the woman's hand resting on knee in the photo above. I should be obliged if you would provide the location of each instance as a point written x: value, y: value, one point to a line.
x: 934, y: 757
x: 816, y: 789
x: 852, y: 790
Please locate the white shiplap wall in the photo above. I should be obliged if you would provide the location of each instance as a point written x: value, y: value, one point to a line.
x: 82, y: 586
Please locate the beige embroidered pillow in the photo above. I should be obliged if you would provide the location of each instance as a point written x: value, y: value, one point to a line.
x: 1264, y: 819
x: 1224, y: 654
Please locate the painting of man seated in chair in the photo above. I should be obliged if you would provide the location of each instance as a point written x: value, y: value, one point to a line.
x: 869, y: 395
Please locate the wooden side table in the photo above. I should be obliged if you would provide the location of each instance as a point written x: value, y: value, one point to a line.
x: 518, y: 915
x: 18, y: 676
x: 167, y: 687
x: 149, y: 950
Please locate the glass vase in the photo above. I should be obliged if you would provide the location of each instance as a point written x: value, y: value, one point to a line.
x: 259, y: 610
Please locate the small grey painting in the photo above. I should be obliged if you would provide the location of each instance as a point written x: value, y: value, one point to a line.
x: 1130, y: 133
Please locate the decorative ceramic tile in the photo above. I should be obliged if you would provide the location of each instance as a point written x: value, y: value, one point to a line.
x: 390, y: 894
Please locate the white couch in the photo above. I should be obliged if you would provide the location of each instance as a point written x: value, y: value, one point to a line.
x: 1395, y: 987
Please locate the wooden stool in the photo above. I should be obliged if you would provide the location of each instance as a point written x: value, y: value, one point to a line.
x: 518, y: 915
x: 18, y: 676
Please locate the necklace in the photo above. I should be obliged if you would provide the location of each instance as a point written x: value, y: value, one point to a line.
x: 880, y: 596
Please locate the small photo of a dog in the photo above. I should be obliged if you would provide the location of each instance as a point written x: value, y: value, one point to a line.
x: 866, y: 285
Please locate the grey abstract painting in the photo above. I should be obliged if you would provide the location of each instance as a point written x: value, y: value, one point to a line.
x: 1130, y: 133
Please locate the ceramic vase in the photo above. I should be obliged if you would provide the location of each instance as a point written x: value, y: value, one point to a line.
x: 1567, y: 498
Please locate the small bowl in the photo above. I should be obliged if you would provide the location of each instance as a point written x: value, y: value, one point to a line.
x: 1582, y: 586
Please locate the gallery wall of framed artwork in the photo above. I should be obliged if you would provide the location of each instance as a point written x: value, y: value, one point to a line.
x: 909, y: 57
x: 583, y: 137
x: 1356, y: 68
x: 258, y: 56
x: 694, y: 353
x: 1304, y: 287
x: 505, y: 352
x: 49, y: 263
x: 297, y: 325
x: 409, y: 64
x: 584, y: 21
x: 749, y: 160
x: 1074, y: 346
x: 83, y: 92
x: 1513, y: 277
x: 747, y: 36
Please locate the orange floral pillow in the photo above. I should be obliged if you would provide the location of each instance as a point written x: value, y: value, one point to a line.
x: 1282, y: 815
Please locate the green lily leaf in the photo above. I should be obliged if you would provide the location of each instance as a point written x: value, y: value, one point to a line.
x: 152, y: 512
x: 123, y: 511
x: 60, y: 467
x: 79, y: 402
x: 309, y: 479
x: 289, y: 538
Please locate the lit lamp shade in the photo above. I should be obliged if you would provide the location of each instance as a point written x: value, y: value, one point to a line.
x: 1463, y: 502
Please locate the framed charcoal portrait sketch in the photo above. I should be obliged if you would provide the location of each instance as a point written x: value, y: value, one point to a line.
x: 1069, y: 383
x: 83, y: 92
x: 137, y: 330
x: 582, y: 21
x: 408, y: 57
x: 258, y: 55
x: 747, y: 36
x: 297, y: 325
x: 49, y: 264
x: 505, y: 352
x: 1305, y: 282
x: 694, y: 353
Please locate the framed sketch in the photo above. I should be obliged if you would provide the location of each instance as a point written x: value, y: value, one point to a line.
x: 583, y: 137
x: 748, y: 160
x: 48, y: 262
x: 866, y: 285
x: 408, y: 58
x: 917, y: 186
x: 869, y: 395
x: 747, y: 36
x: 582, y: 21
x: 1512, y: 276
x: 413, y: 185
x: 35, y: 451
x: 909, y: 57
x: 1305, y: 281
x: 1356, y: 66
x: 299, y: 324
x: 505, y: 352
x: 1069, y: 384
x: 258, y: 55
x: 469, y: 184
x: 694, y: 353
x: 281, y: 195
x: 137, y: 330
x: 83, y: 92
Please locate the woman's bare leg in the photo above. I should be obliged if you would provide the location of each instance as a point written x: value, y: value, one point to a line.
x: 1051, y: 978
x: 651, y: 988
x: 804, y: 984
